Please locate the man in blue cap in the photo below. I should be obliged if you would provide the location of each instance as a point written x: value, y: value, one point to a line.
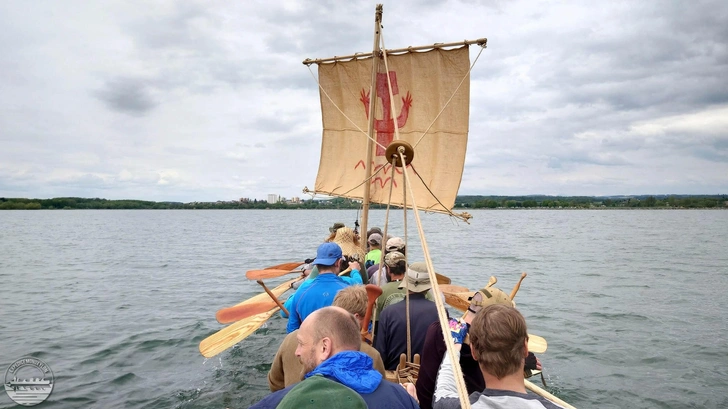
x: 322, y: 289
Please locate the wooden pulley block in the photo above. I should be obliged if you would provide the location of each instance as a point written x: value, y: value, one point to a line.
x: 392, y: 153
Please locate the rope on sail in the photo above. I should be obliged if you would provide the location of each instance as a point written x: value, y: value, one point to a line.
x: 460, y: 382
x: 406, y: 291
x: 342, y: 112
x: 482, y: 47
x: 312, y: 192
x: 464, y: 216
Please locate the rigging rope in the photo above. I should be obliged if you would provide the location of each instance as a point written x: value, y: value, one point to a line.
x: 342, y: 112
x: 442, y: 315
x: 381, y: 254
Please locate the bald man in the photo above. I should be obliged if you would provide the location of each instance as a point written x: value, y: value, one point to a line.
x: 286, y: 369
x: 328, y: 344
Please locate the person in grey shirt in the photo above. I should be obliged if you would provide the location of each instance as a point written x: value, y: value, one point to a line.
x: 499, y: 343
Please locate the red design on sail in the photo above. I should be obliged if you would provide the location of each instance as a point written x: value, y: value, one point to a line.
x: 385, y: 126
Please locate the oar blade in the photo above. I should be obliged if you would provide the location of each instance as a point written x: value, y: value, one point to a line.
x: 285, y: 266
x: 452, y: 288
x: 267, y: 273
x: 441, y: 279
x: 239, y: 312
x: 460, y: 300
x: 536, y: 344
x: 234, y: 333
x: 252, y: 306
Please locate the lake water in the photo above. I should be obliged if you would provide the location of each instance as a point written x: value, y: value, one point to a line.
x: 116, y: 302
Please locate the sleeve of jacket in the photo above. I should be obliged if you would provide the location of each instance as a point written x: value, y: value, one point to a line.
x: 379, y: 365
x: 446, y: 391
x: 354, y: 278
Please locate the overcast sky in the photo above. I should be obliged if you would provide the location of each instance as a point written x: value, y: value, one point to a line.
x: 204, y: 101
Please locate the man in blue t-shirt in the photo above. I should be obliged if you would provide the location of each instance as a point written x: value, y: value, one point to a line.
x: 321, y: 290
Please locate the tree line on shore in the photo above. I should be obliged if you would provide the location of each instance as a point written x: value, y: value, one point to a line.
x: 473, y: 202
x: 589, y: 202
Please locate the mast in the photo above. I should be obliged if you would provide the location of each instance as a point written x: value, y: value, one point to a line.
x: 370, y: 131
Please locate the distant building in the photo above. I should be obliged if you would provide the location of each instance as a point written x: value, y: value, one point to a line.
x: 272, y: 198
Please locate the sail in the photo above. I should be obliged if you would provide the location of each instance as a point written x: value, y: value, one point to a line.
x: 422, y: 84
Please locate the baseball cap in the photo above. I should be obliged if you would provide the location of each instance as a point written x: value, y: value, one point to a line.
x: 391, y: 259
x: 319, y: 392
x: 395, y: 244
x: 327, y: 254
x: 375, y: 238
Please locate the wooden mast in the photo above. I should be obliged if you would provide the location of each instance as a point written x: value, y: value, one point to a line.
x: 370, y: 132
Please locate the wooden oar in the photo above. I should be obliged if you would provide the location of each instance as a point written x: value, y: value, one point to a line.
x: 252, y: 306
x: 452, y: 288
x: 268, y: 273
x: 518, y: 286
x: 441, y: 279
x: 234, y: 333
x: 373, y: 292
x: 539, y: 391
x: 536, y: 344
x: 285, y: 266
x: 273, y: 297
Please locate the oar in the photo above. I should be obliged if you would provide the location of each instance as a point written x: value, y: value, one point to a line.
x: 252, y: 306
x: 536, y: 344
x: 273, y: 297
x: 373, y: 292
x: 234, y: 333
x: 456, y: 296
x: 268, y: 273
x: 441, y: 279
x: 539, y: 391
x: 518, y: 285
x: 285, y: 266
x: 452, y: 288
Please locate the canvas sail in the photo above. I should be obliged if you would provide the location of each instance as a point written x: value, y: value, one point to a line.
x: 422, y: 84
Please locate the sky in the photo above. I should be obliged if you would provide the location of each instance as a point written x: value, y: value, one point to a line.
x: 208, y: 100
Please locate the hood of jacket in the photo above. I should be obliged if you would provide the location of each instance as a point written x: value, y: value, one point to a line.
x: 351, y: 368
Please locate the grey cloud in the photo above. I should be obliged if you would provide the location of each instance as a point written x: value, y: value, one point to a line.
x: 127, y: 95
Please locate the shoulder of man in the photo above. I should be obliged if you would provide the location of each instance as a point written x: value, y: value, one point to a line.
x: 396, y: 396
x: 377, y: 361
x: 516, y: 399
x: 271, y: 401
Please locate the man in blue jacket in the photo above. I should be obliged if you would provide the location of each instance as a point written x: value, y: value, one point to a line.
x: 320, y: 292
x: 328, y: 345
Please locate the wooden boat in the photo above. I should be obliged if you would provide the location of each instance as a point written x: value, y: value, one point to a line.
x: 395, y: 130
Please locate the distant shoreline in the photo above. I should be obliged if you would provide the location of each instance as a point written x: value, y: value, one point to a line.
x: 663, y: 202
